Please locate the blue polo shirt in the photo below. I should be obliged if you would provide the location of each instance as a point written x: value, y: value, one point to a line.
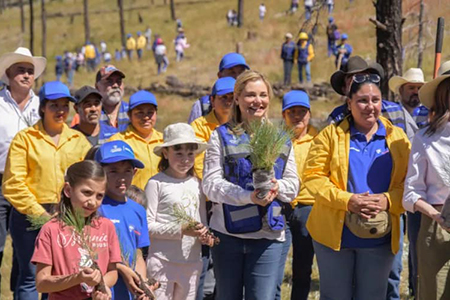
x: 130, y: 221
x: 369, y: 169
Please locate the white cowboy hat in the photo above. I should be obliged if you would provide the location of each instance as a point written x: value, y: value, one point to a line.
x: 413, y: 75
x: 427, y: 92
x: 21, y: 55
x: 180, y: 133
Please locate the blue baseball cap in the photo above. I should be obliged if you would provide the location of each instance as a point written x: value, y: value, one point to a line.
x: 55, y: 90
x: 129, y: 35
x: 295, y: 98
x: 115, y: 151
x: 330, y: 19
x: 142, y: 97
x: 223, y: 86
x: 232, y: 59
x: 344, y: 36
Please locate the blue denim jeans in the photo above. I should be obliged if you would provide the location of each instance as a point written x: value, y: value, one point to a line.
x: 353, y: 273
x: 23, y: 240
x: 308, y: 10
x: 303, y: 253
x: 286, y: 246
x: 413, y: 227
x: 246, y: 264
x: 5, y: 212
x: 287, y: 68
x: 393, y: 290
x: 307, y: 67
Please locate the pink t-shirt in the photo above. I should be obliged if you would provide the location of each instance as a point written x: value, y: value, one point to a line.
x: 57, y: 246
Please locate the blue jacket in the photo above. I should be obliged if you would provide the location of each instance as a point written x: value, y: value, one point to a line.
x: 287, y: 51
x: 303, y: 53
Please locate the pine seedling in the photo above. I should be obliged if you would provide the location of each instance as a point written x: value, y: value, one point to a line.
x: 182, y: 217
x: 37, y: 221
x: 266, y: 143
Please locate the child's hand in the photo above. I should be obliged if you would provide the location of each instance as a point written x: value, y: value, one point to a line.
x: 131, y: 280
x: 90, y: 276
x: 197, y: 231
x: 97, y: 295
x: 207, y: 240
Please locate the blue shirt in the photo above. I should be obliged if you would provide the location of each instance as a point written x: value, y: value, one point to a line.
x: 369, y: 169
x: 130, y: 221
x: 106, y: 128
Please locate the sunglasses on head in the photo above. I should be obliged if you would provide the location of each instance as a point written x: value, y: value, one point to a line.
x: 362, y: 78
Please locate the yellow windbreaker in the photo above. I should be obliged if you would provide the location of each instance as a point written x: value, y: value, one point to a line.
x: 301, y: 149
x: 141, y: 42
x: 35, y: 167
x: 203, y: 128
x: 326, y: 175
x: 131, y: 44
x: 143, y: 150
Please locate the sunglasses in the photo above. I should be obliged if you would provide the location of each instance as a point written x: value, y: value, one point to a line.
x: 362, y: 78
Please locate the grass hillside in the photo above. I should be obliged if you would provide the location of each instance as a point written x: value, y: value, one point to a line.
x: 210, y: 38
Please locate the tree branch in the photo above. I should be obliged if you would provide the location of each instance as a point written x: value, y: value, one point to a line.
x: 378, y: 24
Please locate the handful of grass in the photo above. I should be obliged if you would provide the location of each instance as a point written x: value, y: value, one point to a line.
x: 266, y: 143
x: 182, y: 217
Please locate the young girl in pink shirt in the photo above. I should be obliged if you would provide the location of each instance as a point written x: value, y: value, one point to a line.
x: 70, y: 265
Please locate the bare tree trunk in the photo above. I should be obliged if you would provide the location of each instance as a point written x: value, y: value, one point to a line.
x: 419, y: 39
x: 389, y: 24
x: 87, y: 30
x: 122, y: 22
x: 22, y: 16
x: 240, y: 13
x: 31, y: 26
x: 44, y: 28
x: 172, y: 10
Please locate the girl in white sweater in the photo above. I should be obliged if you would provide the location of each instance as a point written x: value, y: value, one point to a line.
x: 175, y: 253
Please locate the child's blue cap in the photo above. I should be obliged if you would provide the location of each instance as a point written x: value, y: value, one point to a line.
x: 295, y: 98
x: 232, y: 59
x: 344, y: 36
x: 223, y: 86
x: 142, y: 97
x: 115, y: 151
x: 54, y: 90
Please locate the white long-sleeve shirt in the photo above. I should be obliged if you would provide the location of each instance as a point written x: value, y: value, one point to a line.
x: 167, y: 241
x: 13, y: 120
x: 428, y: 176
x: 219, y: 190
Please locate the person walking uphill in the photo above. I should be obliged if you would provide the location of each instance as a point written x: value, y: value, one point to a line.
x: 287, y: 55
x: 305, y: 54
x: 19, y: 108
x: 342, y: 52
x: 130, y: 46
x: 355, y: 170
x: 248, y: 255
x: 34, y: 174
x: 140, y: 44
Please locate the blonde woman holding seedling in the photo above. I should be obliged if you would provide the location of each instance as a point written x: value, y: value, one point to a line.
x: 355, y: 170
x: 251, y: 230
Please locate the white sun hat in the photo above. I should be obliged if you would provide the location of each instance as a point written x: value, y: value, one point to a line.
x: 177, y: 134
x: 427, y: 92
x: 413, y: 75
x: 21, y: 55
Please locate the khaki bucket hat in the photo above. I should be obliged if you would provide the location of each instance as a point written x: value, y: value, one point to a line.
x: 177, y: 134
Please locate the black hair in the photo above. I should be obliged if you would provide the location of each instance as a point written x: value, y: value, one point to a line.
x: 41, y: 108
x: 164, y: 162
x: 75, y: 174
x: 355, y: 87
x: 90, y: 155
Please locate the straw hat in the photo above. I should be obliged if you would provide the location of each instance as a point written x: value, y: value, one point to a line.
x: 413, y: 75
x: 21, y: 55
x: 427, y: 92
x: 177, y: 134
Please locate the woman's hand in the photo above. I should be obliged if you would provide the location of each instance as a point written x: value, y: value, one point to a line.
x: 196, y: 231
x: 439, y: 219
x: 97, y: 295
x: 367, y: 205
x: 91, y: 277
x: 273, y: 193
x: 207, y: 240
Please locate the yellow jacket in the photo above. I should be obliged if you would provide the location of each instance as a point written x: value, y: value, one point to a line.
x: 301, y: 149
x: 89, y: 52
x: 35, y: 167
x: 131, y: 44
x: 311, y: 53
x: 326, y: 175
x: 143, y: 150
x: 203, y: 128
x: 141, y: 42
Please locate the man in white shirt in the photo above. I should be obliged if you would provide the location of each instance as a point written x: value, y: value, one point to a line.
x: 19, y: 109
